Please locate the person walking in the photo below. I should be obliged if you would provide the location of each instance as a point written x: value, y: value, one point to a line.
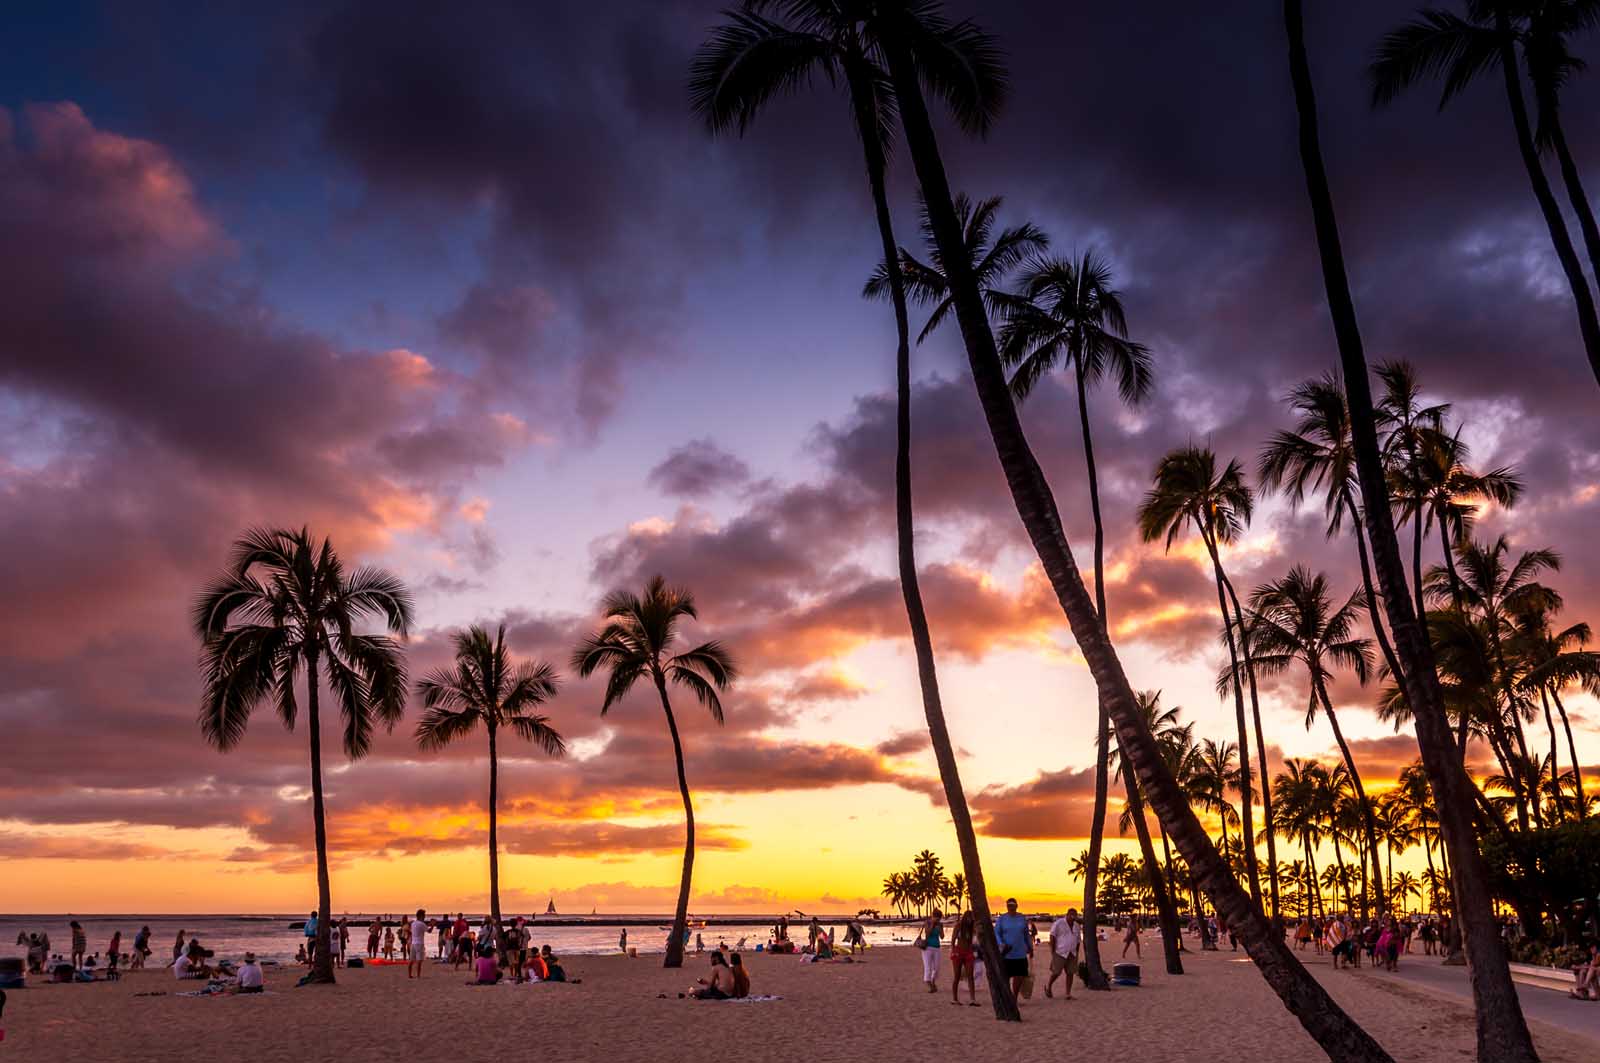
x: 931, y: 937
x: 964, y: 959
x: 417, y: 944
x: 1130, y: 936
x: 1011, y: 933
x: 1066, y: 936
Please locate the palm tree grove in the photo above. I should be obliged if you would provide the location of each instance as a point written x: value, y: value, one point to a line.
x: 803, y: 526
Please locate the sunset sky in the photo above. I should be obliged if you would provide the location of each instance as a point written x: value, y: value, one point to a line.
x: 467, y: 289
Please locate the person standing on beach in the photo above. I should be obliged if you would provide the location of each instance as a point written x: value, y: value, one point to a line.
x: 622, y: 942
x: 177, y: 947
x: 141, y: 948
x: 80, y: 943
x: 1065, y: 938
x: 963, y: 959
x: 311, y: 937
x: 374, y: 933
x: 419, y: 943
x: 1131, y: 937
x: 931, y: 937
x: 1011, y: 933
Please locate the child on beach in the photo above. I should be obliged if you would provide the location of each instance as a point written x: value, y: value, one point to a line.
x: 388, y: 942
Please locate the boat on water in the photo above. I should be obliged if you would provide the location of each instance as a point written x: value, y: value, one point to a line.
x: 550, y: 909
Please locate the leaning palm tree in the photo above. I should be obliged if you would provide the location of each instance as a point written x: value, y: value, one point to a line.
x: 1555, y: 660
x: 486, y: 687
x: 1296, y: 622
x: 286, y: 607
x: 1161, y: 722
x: 740, y: 68
x: 1544, y: 28
x: 1068, y: 314
x: 1442, y: 44
x: 1502, y: 1032
x: 635, y: 643
x: 1190, y: 492
x: 906, y: 34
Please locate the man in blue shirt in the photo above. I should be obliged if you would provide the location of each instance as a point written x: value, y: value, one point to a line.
x: 311, y: 938
x: 1011, y: 933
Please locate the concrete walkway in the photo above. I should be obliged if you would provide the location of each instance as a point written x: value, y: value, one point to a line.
x: 1545, y: 1005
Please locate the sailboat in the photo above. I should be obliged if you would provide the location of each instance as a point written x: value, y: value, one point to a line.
x: 550, y: 909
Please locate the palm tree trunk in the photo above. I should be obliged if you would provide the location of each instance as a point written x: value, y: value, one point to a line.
x: 1261, y: 750
x: 1582, y: 297
x: 1367, y: 823
x: 1166, y: 910
x: 1502, y: 1032
x: 1005, y: 1004
x: 1246, y: 798
x: 1416, y: 560
x: 322, y: 968
x: 680, y: 916
x: 1555, y: 763
x: 494, y: 844
x: 1575, y: 192
x: 1327, y: 1023
x: 1374, y: 609
x: 1572, y: 750
x: 1094, y: 972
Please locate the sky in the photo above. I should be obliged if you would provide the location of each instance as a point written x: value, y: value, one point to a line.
x: 468, y: 290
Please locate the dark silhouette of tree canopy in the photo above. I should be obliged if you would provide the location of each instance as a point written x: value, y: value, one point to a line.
x: 634, y: 644
x: 283, y: 610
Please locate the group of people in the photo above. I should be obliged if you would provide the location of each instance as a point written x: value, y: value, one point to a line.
x: 729, y: 979
x: 81, y: 963
x: 1383, y: 939
x: 1017, y: 938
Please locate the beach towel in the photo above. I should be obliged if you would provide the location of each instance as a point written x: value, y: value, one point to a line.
x: 750, y: 1000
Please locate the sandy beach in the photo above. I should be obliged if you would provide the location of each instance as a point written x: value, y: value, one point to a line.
x: 874, y: 1010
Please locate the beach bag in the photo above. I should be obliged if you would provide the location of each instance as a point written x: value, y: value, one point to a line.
x: 921, y: 942
x: 355, y: 961
x: 1027, y: 987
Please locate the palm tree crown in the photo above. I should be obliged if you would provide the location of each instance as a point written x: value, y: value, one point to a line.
x: 485, y: 687
x: 1069, y: 311
x: 1189, y: 488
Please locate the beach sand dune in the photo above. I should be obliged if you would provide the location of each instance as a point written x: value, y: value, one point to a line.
x: 875, y: 1012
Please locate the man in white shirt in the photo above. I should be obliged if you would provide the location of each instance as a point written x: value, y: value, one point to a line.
x: 251, y: 977
x: 1066, y: 935
x: 184, y: 968
x: 416, y: 949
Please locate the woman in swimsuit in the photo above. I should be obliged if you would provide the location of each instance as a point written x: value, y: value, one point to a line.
x: 1131, y: 937
x: 963, y: 959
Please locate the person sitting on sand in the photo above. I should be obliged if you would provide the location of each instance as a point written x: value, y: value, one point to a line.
x: 741, y: 978
x: 538, y: 965
x: 251, y: 978
x: 177, y: 945
x: 713, y: 988
x: 186, y: 967
x: 300, y: 956
x: 488, y: 969
x: 554, y: 972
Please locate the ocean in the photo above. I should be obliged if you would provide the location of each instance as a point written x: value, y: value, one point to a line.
x: 270, y: 936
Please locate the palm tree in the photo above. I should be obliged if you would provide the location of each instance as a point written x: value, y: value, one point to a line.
x: 1318, y: 455
x: 904, y: 31
x: 1502, y: 1032
x: 1442, y: 44
x: 1069, y: 314
x: 1408, y: 426
x: 1554, y: 660
x: 486, y: 687
x: 1189, y: 492
x: 1405, y: 885
x: 635, y: 643
x: 285, y: 605
x: 741, y: 67
x: 1297, y: 623
x: 1297, y: 803
x: 992, y: 257
x: 1543, y: 29
x: 1219, y: 773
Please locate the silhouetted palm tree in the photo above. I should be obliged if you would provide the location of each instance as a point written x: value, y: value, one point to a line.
x: 1543, y: 27
x: 1068, y: 314
x: 1554, y: 660
x: 1318, y: 455
x: 635, y: 643
x: 1457, y: 49
x: 1296, y: 622
x: 1502, y: 1033
x: 741, y: 67
x: 992, y: 257
x: 485, y: 687
x: 285, y: 607
x: 902, y: 29
x: 1190, y: 492
x: 1408, y: 425
x: 1439, y: 489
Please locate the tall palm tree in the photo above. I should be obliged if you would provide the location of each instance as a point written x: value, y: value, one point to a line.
x: 1068, y: 313
x: 1457, y: 49
x: 635, y: 643
x: 1317, y: 454
x: 1297, y: 791
x: 283, y: 608
x: 1439, y: 489
x: 743, y: 65
x: 1544, y: 27
x: 1296, y: 622
x: 1555, y: 660
x: 1408, y: 425
x: 486, y: 687
x: 1502, y: 1032
x: 1219, y: 773
x: 903, y: 30
x: 1190, y: 492
x: 1162, y: 722
x: 992, y: 257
